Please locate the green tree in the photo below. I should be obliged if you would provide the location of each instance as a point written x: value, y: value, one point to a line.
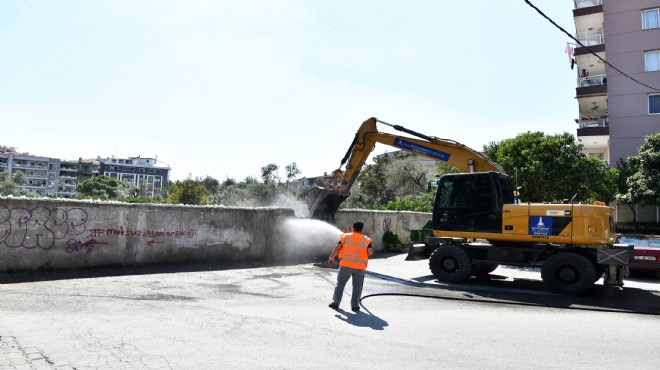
x: 372, y: 182
x: 103, y: 187
x: 406, y: 175
x: 188, y: 192
x: 643, y: 170
x: 211, y: 185
x: 7, y: 185
x: 553, y: 168
x: 291, y: 172
x: 269, y: 173
x: 20, y: 178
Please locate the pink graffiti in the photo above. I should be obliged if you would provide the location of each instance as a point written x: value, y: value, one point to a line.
x: 144, y: 233
x: 76, y: 246
x: 39, y: 227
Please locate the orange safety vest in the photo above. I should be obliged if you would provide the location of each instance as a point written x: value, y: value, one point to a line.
x: 353, y: 252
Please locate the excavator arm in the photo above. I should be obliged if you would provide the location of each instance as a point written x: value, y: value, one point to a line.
x: 323, y: 202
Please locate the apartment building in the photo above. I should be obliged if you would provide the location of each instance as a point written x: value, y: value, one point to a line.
x: 34, y: 168
x: 59, y: 178
x: 47, y: 176
x: 141, y: 172
x: 615, y: 112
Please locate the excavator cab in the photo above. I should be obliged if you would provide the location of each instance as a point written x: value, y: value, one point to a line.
x: 472, y: 202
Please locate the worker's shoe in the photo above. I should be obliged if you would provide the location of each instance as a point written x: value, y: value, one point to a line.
x: 355, y: 309
x: 333, y: 306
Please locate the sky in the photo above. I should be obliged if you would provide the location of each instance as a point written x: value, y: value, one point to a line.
x: 222, y: 88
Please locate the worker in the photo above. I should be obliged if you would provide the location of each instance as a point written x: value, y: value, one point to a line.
x: 353, y: 250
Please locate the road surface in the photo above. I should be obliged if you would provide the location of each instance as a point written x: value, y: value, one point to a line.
x: 277, y: 317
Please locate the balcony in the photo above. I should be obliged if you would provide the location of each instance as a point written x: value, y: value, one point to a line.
x: 592, y: 122
x: 579, y: 4
x: 591, y: 38
x: 23, y: 165
x: 586, y: 7
x: 593, y: 126
x: 591, y: 85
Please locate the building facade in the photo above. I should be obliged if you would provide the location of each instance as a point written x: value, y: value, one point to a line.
x: 59, y: 178
x: 143, y: 173
x: 616, y: 112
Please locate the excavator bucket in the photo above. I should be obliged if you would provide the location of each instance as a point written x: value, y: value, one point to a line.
x: 323, y: 203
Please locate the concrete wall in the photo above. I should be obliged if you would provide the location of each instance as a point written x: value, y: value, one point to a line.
x: 57, y: 234
x: 649, y: 214
x: 45, y: 234
x: 377, y: 222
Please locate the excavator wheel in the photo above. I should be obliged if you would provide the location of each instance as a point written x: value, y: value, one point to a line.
x: 568, y: 273
x: 450, y: 263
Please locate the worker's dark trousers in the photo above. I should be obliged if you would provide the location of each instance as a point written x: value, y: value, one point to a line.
x: 342, y: 278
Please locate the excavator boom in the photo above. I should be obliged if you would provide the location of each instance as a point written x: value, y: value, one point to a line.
x: 323, y: 202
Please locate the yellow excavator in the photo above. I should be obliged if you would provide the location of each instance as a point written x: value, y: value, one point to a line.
x: 479, y: 222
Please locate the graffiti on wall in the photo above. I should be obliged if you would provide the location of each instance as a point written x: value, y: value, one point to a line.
x: 40, y: 227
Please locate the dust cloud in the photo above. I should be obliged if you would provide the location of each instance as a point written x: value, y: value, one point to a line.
x: 305, y: 238
x: 289, y: 201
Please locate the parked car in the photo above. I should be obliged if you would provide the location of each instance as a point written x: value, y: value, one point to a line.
x: 647, y: 251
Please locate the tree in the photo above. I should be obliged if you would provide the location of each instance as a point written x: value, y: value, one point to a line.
x: 7, y: 186
x: 269, y: 173
x: 103, y: 187
x: 211, y: 185
x: 188, y: 192
x: 20, y: 178
x: 372, y: 180
x: 553, y: 168
x: 406, y: 175
x: 291, y: 172
x: 643, y: 181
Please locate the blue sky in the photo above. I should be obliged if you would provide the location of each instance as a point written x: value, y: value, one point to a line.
x: 222, y: 88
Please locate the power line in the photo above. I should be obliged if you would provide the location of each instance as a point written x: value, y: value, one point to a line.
x: 591, y: 51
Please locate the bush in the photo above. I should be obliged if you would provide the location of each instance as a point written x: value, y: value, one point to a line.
x: 392, y: 243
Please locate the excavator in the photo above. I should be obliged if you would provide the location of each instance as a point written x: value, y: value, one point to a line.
x: 479, y: 222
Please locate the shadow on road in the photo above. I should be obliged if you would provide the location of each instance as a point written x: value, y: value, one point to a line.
x: 99, y: 272
x: 362, y: 319
x: 497, y: 289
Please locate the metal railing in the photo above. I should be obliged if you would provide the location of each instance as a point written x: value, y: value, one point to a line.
x: 592, y: 122
x: 592, y: 80
x: 586, y: 3
x: 27, y: 165
x: 591, y: 38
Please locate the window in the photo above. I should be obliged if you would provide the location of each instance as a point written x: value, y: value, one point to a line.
x: 650, y: 18
x: 654, y: 104
x: 652, y: 60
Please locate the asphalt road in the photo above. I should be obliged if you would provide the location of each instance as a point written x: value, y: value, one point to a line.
x: 276, y: 317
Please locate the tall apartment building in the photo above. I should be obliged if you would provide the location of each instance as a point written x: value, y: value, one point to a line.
x: 615, y: 112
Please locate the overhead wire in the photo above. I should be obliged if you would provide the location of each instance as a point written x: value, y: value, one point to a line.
x: 589, y: 49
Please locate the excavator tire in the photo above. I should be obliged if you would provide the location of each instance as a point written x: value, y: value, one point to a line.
x: 450, y: 263
x: 482, y: 269
x: 568, y: 273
